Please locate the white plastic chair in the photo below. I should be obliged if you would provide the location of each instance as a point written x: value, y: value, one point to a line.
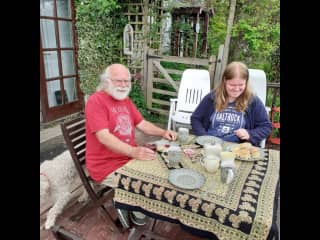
x: 258, y: 84
x: 194, y: 85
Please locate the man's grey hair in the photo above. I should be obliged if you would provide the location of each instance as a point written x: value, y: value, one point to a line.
x: 105, y: 76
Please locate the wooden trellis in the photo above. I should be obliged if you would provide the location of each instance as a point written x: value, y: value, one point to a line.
x: 146, y: 18
x: 143, y: 15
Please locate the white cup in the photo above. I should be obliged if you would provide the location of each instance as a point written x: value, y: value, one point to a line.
x: 212, y: 149
x: 227, y: 159
x: 183, y: 135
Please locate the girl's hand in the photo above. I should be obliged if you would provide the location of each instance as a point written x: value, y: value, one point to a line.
x: 242, y: 134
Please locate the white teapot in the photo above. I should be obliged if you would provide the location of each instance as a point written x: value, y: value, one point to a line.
x: 211, y: 163
x: 210, y: 149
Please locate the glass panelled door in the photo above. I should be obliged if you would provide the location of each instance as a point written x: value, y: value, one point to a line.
x: 59, y: 83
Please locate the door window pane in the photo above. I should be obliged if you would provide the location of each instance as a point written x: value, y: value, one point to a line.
x: 46, y: 7
x: 53, y: 89
x: 63, y: 8
x: 67, y: 62
x: 51, y: 64
x: 65, y: 32
x: 48, y: 35
x: 70, y: 88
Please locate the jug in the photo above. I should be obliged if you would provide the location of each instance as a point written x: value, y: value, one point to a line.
x: 211, y: 163
x: 210, y: 149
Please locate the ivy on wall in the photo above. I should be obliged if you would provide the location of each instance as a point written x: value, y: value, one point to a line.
x: 99, y: 30
x: 100, y: 27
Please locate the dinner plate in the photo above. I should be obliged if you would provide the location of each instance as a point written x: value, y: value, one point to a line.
x: 186, y: 178
x: 202, y: 140
x: 251, y: 159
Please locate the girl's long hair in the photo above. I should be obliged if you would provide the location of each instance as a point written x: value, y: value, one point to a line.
x: 233, y: 69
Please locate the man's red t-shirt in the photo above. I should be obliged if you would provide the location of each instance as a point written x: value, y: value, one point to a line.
x: 102, y: 111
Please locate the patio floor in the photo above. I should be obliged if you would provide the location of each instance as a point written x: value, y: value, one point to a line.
x: 92, y: 226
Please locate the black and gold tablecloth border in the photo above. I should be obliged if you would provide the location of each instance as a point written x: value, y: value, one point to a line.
x: 247, y: 221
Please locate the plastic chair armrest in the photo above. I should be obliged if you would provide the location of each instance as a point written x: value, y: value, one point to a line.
x: 268, y: 109
x: 173, y: 104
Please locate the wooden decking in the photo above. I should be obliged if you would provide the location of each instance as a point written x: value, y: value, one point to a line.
x: 93, y: 227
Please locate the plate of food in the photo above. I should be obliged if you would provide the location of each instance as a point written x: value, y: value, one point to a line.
x: 186, y: 178
x: 247, y: 152
x: 202, y: 140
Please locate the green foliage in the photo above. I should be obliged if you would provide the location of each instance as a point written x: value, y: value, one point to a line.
x: 173, y: 65
x: 97, y: 8
x: 97, y: 48
x: 255, y: 34
x: 218, y: 26
x: 138, y: 99
x: 99, y: 27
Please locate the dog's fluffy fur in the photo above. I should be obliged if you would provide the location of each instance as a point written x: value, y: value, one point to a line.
x: 57, y: 177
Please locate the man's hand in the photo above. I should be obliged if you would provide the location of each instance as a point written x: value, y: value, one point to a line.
x: 142, y: 153
x: 170, y: 135
x: 242, y: 134
x: 151, y: 129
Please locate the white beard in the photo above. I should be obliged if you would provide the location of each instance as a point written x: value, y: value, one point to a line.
x: 118, y: 93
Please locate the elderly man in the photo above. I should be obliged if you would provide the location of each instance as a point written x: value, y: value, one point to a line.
x: 111, y: 118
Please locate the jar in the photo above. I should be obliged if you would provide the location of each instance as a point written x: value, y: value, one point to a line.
x: 174, y: 156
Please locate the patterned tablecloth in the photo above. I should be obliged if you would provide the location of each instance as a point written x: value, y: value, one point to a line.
x: 243, y: 209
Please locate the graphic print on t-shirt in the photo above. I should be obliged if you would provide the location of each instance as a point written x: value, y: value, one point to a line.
x: 223, y: 124
x: 123, y: 125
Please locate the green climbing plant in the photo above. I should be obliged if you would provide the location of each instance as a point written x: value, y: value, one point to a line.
x: 99, y: 29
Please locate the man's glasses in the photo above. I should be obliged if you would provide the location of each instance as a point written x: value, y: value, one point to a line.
x: 118, y: 82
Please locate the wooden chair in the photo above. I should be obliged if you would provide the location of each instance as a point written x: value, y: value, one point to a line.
x: 61, y: 234
x: 274, y: 137
x: 74, y: 135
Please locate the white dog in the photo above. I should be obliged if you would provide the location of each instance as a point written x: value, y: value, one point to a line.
x: 57, y: 177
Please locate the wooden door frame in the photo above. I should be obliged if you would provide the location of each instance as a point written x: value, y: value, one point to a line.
x: 56, y: 112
